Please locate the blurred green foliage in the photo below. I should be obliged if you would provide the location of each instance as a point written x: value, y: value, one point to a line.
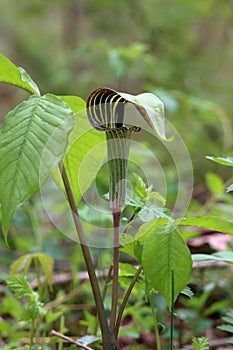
x: 182, y: 51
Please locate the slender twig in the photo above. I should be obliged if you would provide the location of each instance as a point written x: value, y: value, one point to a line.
x: 125, y: 300
x: 108, y: 340
x: 70, y: 340
x: 116, y: 224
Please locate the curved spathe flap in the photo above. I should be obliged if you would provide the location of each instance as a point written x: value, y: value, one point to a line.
x: 105, y: 110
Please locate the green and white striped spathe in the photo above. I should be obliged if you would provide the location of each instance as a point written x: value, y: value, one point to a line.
x: 105, y: 111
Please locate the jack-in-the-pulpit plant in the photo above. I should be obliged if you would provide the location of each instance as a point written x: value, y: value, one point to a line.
x: 40, y: 136
x: 106, y: 112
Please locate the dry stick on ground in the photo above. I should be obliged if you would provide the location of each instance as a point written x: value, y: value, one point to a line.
x: 70, y: 340
x: 83, y: 275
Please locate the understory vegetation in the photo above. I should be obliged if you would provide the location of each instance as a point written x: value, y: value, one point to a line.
x: 116, y: 156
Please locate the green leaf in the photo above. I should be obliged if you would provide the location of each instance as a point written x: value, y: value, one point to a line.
x: 25, y: 77
x: 85, y: 153
x: 214, y: 223
x: 229, y: 188
x: 13, y: 75
x: 76, y: 103
x: 47, y: 264
x: 32, y: 141
x: 140, y: 187
x: 53, y: 316
x: 219, y: 256
x: 214, y: 183
x: 11, y: 306
x: 226, y: 328
x: 21, y: 264
x: 151, y: 226
x: 133, y: 245
x: 228, y: 161
x: 19, y: 285
x: 153, y: 207
x: 165, y: 252
x: 88, y: 339
x: 188, y: 292
x: 200, y: 343
x: 228, y: 318
x: 127, y: 244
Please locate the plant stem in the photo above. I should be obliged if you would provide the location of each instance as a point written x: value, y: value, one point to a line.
x: 125, y: 300
x: 107, y: 337
x: 155, y: 323
x: 32, y: 333
x: 172, y: 309
x: 104, y: 292
x: 116, y: 242
x: 60, y: 345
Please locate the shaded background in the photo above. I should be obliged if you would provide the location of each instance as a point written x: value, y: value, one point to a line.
x: 182, y: 51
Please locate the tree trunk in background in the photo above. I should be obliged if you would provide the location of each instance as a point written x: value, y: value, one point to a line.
x: 74, y: 24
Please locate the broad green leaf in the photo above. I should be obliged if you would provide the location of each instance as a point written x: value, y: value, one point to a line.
x: 214, y: 183
x: 126, y: 270
x: 127, y: 244
x: 209, y: 222
x: 220, y: 160
x: 86, y: 150
x: 76, y: 103
x: 13, y: 75
x: 133, y: 245
x: 151, y: 226
x: 32, y: 142
x: 165, y: 253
